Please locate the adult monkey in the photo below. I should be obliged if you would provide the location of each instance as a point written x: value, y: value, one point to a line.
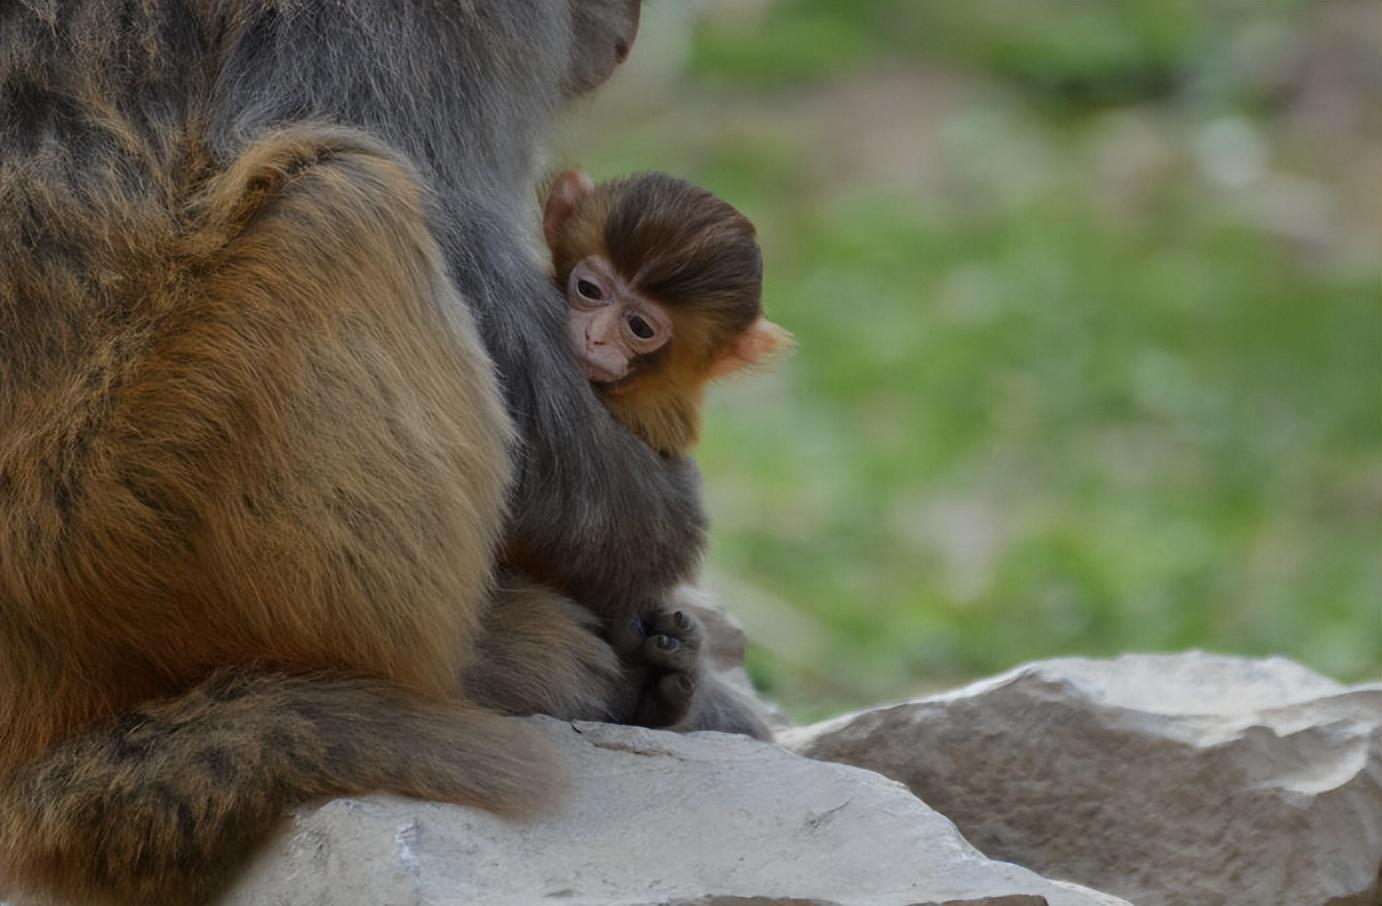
x: 253, y: 459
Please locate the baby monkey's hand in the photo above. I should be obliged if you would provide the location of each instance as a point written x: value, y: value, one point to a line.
x: 661, y: 649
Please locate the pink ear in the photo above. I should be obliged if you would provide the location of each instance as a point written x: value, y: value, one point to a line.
x: 568, y: 190
x: 762, y: 340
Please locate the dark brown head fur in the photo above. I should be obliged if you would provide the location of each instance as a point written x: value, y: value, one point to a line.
x: 696, y: 254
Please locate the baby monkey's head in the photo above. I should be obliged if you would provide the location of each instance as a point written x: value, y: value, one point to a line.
x: 663, y: 282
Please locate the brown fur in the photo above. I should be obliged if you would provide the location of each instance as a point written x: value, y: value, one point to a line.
x: 541, y: 653
x: 161, y: 805
x: 240, y: 506
x: 699, y: 257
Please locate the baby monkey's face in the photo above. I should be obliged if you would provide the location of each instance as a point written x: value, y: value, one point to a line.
x: 610, y: 323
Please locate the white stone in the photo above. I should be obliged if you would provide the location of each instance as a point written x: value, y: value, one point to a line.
x: 650, y: 818
x: 1169, y: 780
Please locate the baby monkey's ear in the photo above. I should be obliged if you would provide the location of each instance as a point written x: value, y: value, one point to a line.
x: 569, y: 189
x: 762, y: 341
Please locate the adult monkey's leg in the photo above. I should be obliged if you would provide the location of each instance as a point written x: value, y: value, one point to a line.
x: 542, y: 653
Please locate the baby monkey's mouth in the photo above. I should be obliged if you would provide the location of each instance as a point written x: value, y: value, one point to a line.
x: 598, y: 372
x: 601, y: 363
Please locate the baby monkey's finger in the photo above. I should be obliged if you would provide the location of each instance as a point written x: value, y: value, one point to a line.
x: 667, y: 652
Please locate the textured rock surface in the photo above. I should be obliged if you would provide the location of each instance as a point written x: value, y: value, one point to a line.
x: 651, y: 818
x: 1170, y: 780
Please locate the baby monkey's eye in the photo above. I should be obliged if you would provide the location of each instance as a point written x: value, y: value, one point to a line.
x: 641, y: 328
x: 589, y: 290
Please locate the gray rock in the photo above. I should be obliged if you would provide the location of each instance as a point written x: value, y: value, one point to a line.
x: 1170, y: 780
x: 650, y: 817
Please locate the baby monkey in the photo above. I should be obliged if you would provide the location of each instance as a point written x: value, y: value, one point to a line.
x: 663, y: 285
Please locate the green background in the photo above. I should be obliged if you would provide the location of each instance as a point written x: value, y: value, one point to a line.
x: 1089, y: 312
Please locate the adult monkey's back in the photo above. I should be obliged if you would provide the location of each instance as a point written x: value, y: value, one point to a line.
x: 252, y: 456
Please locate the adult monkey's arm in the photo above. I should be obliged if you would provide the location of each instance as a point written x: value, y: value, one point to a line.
x: 610, y: 521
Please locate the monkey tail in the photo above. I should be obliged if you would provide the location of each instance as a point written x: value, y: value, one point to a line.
x: 160, y: 805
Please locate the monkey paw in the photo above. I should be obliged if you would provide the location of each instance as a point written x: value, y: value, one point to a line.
x: 663, y: 652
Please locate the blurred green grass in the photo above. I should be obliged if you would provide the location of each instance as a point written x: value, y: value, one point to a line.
x: 1082, y: 368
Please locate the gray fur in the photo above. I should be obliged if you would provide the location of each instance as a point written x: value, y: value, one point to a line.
x: 618, y: 524
x: 463, y: 88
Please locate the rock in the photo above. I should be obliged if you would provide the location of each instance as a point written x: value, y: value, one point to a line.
x: 650, y: 817
x: 1169, y: 780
